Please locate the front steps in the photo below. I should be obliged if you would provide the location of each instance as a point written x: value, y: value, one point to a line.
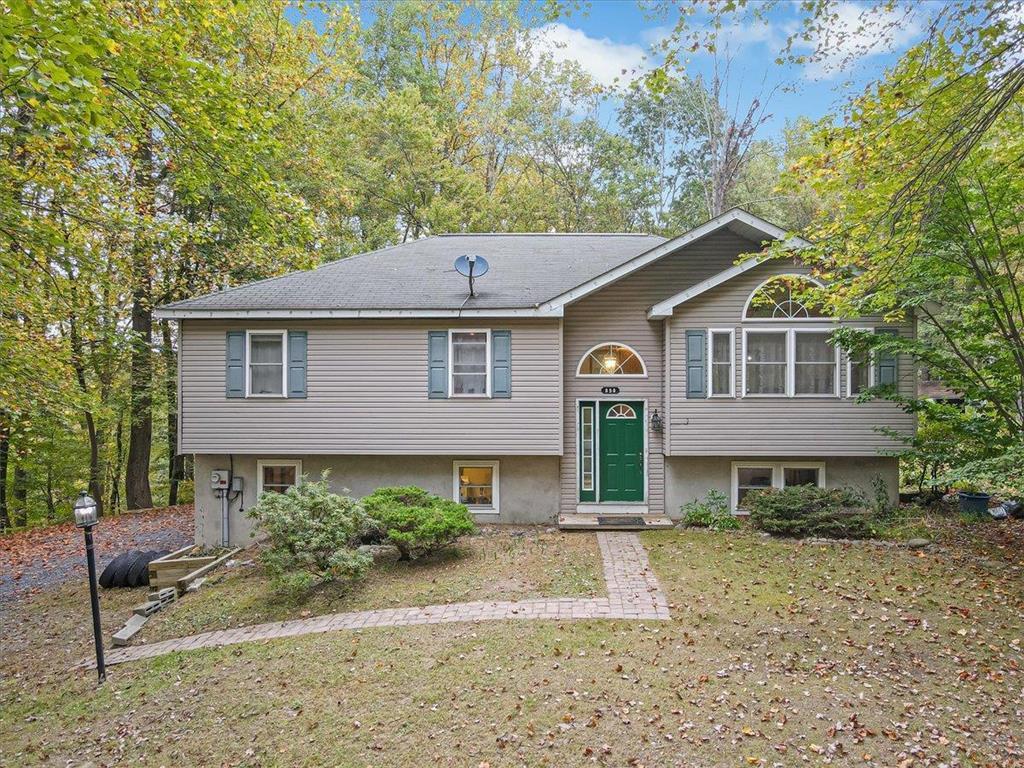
x: 613, y: 521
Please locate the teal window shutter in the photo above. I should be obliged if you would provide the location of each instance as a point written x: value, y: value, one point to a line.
x: 296, y: 363
x: 234, y: 379
x: 888, y: 363
x: 437, y: 364
x: 501, y: 363
x: 696, y: 364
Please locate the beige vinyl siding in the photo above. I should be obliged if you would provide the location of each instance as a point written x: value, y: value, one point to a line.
x: 367, y: 394
x: 619, y: 313
x: 767, y: 426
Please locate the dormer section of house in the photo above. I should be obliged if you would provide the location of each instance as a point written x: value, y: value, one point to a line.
x: 591, y: 379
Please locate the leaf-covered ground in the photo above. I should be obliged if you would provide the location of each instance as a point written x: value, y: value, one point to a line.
x: 779, y: 653
x: 39, y: 558
x: 499, y: 564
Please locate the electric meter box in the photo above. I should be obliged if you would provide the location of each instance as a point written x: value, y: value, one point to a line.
x: 219, y: 479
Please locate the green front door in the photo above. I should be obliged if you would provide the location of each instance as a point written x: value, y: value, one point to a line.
x: 621, y: 447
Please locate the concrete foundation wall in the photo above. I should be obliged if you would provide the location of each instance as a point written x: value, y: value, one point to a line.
x: 690, y: 477
x: 528, y: 486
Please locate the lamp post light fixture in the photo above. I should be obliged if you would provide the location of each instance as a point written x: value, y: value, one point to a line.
x: 86, y: 516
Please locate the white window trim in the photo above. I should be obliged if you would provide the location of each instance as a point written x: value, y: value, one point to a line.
x: 583, y: 359
x: 261, y: 463
x: 791, y: 363
x: 580, y: 469
x: 849, y: 366
x: 476, y: 509
x: 732, y: 361
x: 451, y: 362
x: 762, y: 284
x: 778, y: 469
x: 284, y: 362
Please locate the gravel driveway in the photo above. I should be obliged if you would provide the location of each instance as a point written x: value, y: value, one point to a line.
x: 41, y: 558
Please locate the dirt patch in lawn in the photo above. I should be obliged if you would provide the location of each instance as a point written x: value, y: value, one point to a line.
x: 499, y: 564
x: 779, y: 653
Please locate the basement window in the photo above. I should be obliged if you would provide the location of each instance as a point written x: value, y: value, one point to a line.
x: 475, y: 484
x: 277, y: 475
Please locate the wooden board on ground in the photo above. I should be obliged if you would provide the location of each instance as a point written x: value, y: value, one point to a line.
x: 179, y: 569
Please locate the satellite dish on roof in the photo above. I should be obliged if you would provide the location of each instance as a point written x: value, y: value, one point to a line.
x: 471, y: 267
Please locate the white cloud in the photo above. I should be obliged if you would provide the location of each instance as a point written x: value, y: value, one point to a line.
x: 604, y: 59
x: 859, y: 32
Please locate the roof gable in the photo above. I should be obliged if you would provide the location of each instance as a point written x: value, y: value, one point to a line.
x: 739, y: 221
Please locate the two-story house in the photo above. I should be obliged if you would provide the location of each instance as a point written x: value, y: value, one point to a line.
x: 590, y: 378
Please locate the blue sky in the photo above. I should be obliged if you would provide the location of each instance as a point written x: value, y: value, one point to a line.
x: 612, y: 35
x: 609, y: 36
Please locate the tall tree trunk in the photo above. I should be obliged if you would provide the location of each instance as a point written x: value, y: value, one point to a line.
x: 115, y: 478
x: 19, y: 491
x: 96, y: 470
x: 51, y: 505
x: 137, y: 491
x: 5, y: 448
x: 174, y: 459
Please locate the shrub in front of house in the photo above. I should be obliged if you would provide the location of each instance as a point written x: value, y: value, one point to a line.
x: 312, y: 535
x: 806, y: 510
x: 710, y: 512
x: 415, y: 521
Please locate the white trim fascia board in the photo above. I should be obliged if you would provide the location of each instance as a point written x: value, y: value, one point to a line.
x: 769, y: 230
x: 326, y: 314
x: 665, y: 308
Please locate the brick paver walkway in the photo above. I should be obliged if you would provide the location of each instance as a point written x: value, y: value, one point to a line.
x: 633, y: 593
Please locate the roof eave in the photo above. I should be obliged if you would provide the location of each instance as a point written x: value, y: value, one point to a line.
x: 170, y: 313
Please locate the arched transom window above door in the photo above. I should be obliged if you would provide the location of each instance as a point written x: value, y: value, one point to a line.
x: 611, y: 359
x: 621, y: 411
x: 783, y: 297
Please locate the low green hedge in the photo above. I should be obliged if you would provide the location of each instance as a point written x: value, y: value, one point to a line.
x: 806, y: 510
x: 415, y: 521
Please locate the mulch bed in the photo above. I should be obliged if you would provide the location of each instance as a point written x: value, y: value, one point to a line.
x: 40, y: 558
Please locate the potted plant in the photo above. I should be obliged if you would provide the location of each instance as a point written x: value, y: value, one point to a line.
x: 973, y: 501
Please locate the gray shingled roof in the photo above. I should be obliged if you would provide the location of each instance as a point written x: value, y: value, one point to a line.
x: 525, y: 270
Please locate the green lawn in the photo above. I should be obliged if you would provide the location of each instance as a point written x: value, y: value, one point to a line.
x: 779, y: 653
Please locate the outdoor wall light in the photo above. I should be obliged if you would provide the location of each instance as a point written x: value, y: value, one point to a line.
x: 657, y: 423
x: 86, y: 516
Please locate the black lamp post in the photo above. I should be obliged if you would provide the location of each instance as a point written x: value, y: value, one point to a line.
x: 86, y: 517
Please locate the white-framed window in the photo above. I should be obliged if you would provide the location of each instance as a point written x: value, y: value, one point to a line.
x: 860, y: 372
x: 277, y: 475
x: 475, y: 484
x: 610, y: 358
x: 587, y: 443
x: 469, y: 369
x: 722, y: 357
x: 748, y: 476
x: 815, y: 367
x: 265, y: 369
x: 790, y: 362
x: 781, y: 297
x: 621, y: 411
x: 765, y: 363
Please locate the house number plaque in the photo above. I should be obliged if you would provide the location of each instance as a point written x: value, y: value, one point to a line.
x: 609, y: 390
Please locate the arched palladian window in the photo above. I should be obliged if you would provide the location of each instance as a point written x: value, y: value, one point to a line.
x: 783, y: 297
x: 611, y: 359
